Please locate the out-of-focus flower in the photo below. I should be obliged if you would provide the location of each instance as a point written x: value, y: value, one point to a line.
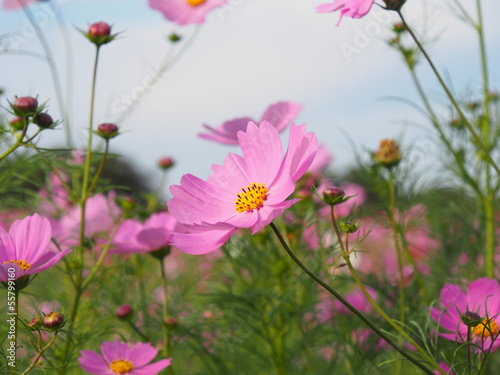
x: 327, y: 308
x: 25, y: 248
x: 99, y: 33
x: 388, y: 153
x: 54, y: 198
x: 349, y: 8
x: 482, y: 298
x: 185, y: 12
x: 17, y: 4
x: 244, y: 192
x: 136, y: 237
x: 107, y: 130
x: 446, y: 368
x: 166, y: 163
x: 121, y: 358
x: 280, y: 115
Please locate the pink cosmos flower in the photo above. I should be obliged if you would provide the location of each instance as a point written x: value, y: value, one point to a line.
x: 446, y: 368
x: 121, y: 358
x: 25, y: 248
x: 244, y: 192
x: 280, y: 115
x: 16, y: 4
x: 136, y: 237
x: 184, y: 12
x: 482, y: 300
x: 349, y: 8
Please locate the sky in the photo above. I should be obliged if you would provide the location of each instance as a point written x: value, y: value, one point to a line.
x: 249, y: 54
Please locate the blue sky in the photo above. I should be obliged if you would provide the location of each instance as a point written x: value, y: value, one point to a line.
x: 245, y: 57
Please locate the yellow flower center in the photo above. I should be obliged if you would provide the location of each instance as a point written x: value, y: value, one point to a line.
x: 251, y: 198
x: 195, y: 3
x: 486, y: 328
x: 21, y: 263
x: 121, y: 366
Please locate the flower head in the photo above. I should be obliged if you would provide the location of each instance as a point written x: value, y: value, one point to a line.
x: 25, y: 248
x: 16, y: 4
x: 244, y: 192
x: 482, y: 299
x: 121, y: 358
x: 349, y: 8
x: 185, y: 12
x: 280, y: 115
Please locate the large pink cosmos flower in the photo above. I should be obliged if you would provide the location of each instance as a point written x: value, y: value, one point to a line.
x: 184, y: 12
x: 349, y: 8
x: 26, y: 247
x: 136, y: 237
x: 483, y: 299
x: 244, y: 192
x: 121, y: 358
x: 280, y: 115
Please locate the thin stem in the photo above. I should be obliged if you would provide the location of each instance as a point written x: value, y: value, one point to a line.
x: 138, y: 331
x: 359, y: 314
x: 40, y: 353
x: 19, y: 141
x: 100, y: 168
x: 452, y: 99
x: 167, y: 344
x: 52, y: 66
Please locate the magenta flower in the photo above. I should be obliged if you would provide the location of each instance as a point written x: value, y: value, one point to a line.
x: 136, y: 237
x: 244, y: 192
x: 121, y: 358
x: 25, y: 248
x: 185, y: 12
x: 480, y: 306
x: 349, y: 8
x: 280, y: 115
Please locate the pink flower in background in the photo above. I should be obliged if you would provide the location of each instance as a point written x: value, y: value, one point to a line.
x: 136, y: 237
x: 244, y: 192
x: 349, y: 8
x: 17, y: 4
x: 122, y: 358
x: 483, y: 300
x: 26, y: 247
x: 446, y: 368
x: 328, y: 307
x: 185, y: 12
x: 279, y: 115
x: 54, y: 198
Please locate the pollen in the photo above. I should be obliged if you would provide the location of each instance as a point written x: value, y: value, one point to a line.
x: 486, y: 328
x: 195, y: 3
x: 251, y: 198
x: 121, y: 366
x: 21, y: 263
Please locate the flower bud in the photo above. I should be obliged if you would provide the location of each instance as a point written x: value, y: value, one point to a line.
x: 53, y: 320
x: 388, y: 154
x: 348, y: 226
x: 107, y: 130
x: 35, y: 324
x: 333, y: 196
x: 124, y: 312
x: 18, y: 123
x: 470, y: 318
x: 99, y: 33
x: 43, y: 120
x: 165, y: 163
x: 25, y: 106
x: 394, y: 4
x: 398, y: 28
x: 171, y: 322
x: 174, y: 38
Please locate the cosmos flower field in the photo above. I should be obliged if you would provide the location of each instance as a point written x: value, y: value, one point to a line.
x: 274, y: 263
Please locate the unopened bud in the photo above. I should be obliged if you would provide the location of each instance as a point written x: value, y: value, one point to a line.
x: 398, y: 28
x: 99, y: 33
x: 43, y: 120
x: 171, y: 322
x: 394, y: 4
x: 53, y: 320
x: 107, y: 130
x: 388, y: 154
x: 25, y: 106
x: 333, y: 196
x: 35, y: 324
x: 18, y: 123
x: 165, y: 163
x: 470, y: 318
x: 348, y: 226
x: 174, y: 38
x: 124, y: 312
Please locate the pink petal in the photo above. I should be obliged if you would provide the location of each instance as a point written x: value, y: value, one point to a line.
x: 93, y: 363
x: 281, y: 114
x: 154, y: 368
x: 201, y: 240
x: 115, y: 350
x: 31, y: 237
x: 484, y: 293
x: 142, y: 353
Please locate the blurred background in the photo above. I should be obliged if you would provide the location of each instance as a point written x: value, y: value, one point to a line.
x: 353, y: 87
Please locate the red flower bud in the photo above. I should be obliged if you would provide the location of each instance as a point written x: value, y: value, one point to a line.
x: 124, y: 312
x: 25, y: 106
x: 53, y: 320
x: 107, y: 130
x: 165, y: 163
x: 18, y: 123
x: 43, y: 120
x: 99, y: 29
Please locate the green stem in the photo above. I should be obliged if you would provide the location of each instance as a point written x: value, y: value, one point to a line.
x: 52, y: 66
x: 167, y: 344
x: 397, y: 244
x: 359, y: 314
x: 19, y: 141
x: 99, y: 169
x: 41, y: 350
x: 484, y: 71
x: 138, y: 331
x: 452, y: 99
